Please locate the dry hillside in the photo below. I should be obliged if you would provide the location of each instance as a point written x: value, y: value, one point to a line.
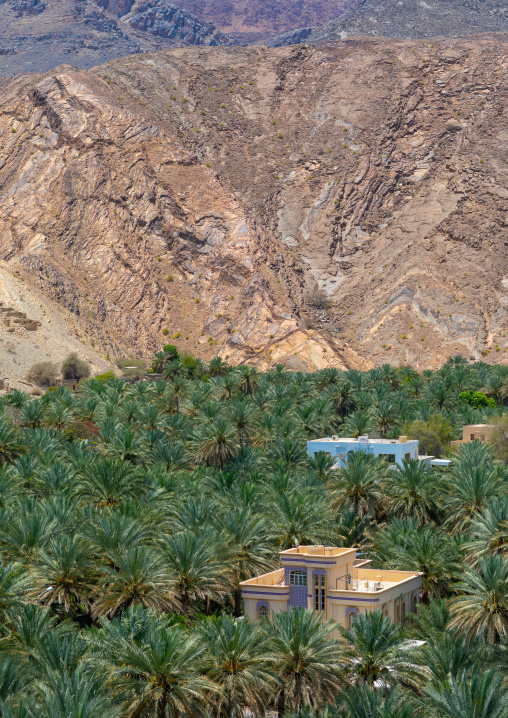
x: 339, y: 205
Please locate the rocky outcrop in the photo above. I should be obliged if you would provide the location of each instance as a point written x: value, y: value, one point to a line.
x: 293, y: 37
x: 414, y: 19
x: 166, y: 20
x: 378, y: 172
x: 119, y: 227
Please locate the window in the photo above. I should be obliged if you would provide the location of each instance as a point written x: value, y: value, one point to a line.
x: 263, y: 609
x: 298, y: 578
x: 342, y: 456
x: 415, y: 602
x: 319, y: 591
x: 262, y: 612
x: 390, y: 458
x: 471, y: 437
x: 403, y: 612
x: 350, y: 617
x: 397, y: 612
x: 482, y: 437
x: 384, y: 608
x: 407, y: 457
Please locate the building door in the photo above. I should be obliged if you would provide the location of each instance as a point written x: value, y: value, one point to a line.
x: 298, y: 589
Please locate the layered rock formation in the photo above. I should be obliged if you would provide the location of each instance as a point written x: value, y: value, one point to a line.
x: 378, y: 169
x: 109, y: 218
x: 308, y: 206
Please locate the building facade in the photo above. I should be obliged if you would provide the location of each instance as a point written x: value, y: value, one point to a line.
x: 334, y: 581
x: 475, y: 432
x: 394, y: 451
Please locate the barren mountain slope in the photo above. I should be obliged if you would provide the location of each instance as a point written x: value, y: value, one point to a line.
x: 111, y: 220
x: 37, y: 35
x: 416, y: 19
x: 377, y: 168
x: 266, y: 17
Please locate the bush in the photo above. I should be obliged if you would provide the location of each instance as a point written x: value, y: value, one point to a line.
x: 105, y: 377
x: 75, y: 368
x: 434, y: 434
x: 171, y: 351
x: 477, y: 399
x: 44, y: 373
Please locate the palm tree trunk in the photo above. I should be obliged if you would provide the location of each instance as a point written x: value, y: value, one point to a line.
x: 281, y: 704
x: 161, y: 708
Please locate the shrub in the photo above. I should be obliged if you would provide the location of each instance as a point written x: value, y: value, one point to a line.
x: 477, y: 399
x: 165, y: 332
x: 171, y: 352
x: 44, y: 373
x: 105, y: 377
x: 75, y: 368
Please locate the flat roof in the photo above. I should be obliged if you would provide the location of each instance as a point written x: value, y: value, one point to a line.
x: 316, y: 551
x: 351, y: 439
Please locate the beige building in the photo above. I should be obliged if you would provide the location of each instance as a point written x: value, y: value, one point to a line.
x: 332, y: 580
x: 474, y: 432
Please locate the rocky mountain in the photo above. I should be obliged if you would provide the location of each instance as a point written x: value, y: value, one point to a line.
x: 416, y: 19
x: 317, y: 206
x: 260, y: 19
x: 37, y: 35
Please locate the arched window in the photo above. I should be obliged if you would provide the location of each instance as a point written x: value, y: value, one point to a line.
x: 263, y: 609
x: 298, y: 578
x: 385, y: 610
x: 319, y: 581
x: 351, y: 614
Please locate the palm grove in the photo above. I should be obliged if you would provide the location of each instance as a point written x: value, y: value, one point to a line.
x: 130, y: 512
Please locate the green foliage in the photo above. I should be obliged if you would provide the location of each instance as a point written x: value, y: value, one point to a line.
x: 477, y: 399
x: 75, y: 368
x: 131, y: 512
x: 105, y: 377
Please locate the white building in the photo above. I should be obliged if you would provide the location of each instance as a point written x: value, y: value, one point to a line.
x: 394, y: 451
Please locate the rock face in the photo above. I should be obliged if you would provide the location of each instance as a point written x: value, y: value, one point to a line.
x: 316, y: 206
x: 166, y: 20
x: 120, y: 229
x: 264, y: 18
x: 37, y: 35
x: 378, y: 171
x: 416, y: 18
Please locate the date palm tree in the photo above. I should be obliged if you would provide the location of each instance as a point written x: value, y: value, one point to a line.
x: 376, y: 651
x: 481, y: 608
x: 216, y: 443
x: 64, y: 573
x: 305, y: 659
x: 239, y: 661
x: 411, y: 490
x: 249, y: 548
x: 407, y: 546
x: 476, y: 695
x: 15, y: 582
x: 195, y: 566
x: 157, y: 674
x: 135, y: 576
x: 356, y: 485
x: 11, y: 443
x: 109, y: 482
x: 488, y: 532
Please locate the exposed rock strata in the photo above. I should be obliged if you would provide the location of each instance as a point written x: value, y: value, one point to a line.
x: 378, y: 170
x: 114, y: 222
